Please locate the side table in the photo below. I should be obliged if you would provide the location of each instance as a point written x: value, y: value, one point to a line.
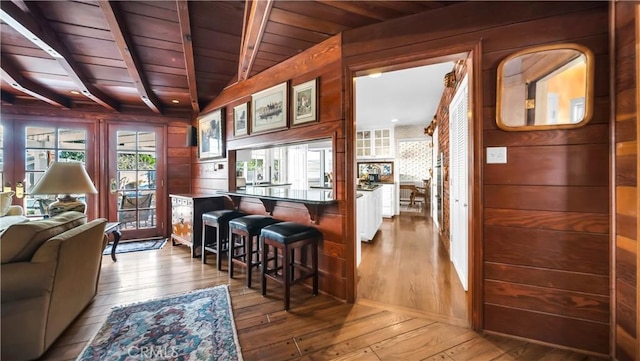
x: 113, y: 228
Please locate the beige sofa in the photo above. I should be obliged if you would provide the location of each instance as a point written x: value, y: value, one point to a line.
x: 50, y: 270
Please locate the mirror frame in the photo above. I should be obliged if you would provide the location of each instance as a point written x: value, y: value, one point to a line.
x: 588, y: 112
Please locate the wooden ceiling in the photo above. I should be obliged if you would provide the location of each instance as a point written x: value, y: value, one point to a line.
x: 162, y: 55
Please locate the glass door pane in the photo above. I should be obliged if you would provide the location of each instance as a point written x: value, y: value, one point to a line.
x: 136, y: 175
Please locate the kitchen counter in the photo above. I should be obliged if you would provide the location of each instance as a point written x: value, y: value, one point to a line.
x: 369, y: 188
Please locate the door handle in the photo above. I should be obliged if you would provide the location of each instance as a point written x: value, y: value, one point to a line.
x: 7, y: 187
x: 113, y: 185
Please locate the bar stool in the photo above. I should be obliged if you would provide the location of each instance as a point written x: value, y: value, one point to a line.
x: 242, y: 232
x: 220, y: 221
x: 289, y: 237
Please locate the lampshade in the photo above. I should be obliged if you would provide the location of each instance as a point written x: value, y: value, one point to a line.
x: 64, y: 178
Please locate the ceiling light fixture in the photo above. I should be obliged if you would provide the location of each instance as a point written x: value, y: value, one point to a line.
x: 75, y: 92
x: 394, y: 120
x: 375, y: 75
x: 175, y: 101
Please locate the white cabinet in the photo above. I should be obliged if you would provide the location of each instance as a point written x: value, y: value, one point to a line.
x: 374, y: 143
x: 369, y: 209
x: 388, y: 200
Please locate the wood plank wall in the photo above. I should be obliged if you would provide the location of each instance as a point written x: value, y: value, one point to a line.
x: 546, y: 221
x: 626, y: 182
x: 323, y: 62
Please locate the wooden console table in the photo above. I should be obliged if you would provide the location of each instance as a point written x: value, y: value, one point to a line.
x: 186, y: 218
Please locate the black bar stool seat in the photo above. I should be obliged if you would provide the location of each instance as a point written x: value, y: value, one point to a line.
x: 220, y: 221
x: 285, y: 238
x: 243, y: 233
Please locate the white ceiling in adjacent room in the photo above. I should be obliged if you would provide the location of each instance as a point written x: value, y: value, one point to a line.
x: 410, y: 95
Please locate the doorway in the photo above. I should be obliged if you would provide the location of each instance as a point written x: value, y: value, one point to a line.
x: 136, y: 184
x: 407, y: 266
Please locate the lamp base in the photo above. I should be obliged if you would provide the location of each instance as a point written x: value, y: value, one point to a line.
x: 66, y: 204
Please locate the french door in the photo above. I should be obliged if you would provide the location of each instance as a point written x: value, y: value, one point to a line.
x: 136, y: 180
x: 27, y: 148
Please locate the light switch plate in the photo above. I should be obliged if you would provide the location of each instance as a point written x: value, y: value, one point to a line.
x: 496, y: 155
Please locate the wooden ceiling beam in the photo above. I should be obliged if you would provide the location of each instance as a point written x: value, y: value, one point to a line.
x: 253, y: 29
x: 187, y: 50
x: 7, y: 98
x: 34, y: 26
x: 11, y: 75
x: 116, y: 22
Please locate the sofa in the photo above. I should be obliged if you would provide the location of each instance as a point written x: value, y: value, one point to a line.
x: 50, y: 270
x: 9, y: 214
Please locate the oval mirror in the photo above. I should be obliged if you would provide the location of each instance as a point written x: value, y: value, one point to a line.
x: 546, y: 87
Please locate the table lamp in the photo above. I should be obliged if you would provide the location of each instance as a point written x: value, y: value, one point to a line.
x: 65, y: 178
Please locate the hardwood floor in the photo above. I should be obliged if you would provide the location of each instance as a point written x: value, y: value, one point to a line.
x: 407, y: 267
x: 316, y: 328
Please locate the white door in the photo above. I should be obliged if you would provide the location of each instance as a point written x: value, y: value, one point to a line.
x: 458, y: 176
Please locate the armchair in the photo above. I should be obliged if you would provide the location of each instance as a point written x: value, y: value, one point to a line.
x: 45, y: 286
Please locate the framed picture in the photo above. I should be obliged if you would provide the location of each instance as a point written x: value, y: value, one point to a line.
x: 240, y: 120
x: 211, y: 135
x: 269, y: 109
x: 305, y: 102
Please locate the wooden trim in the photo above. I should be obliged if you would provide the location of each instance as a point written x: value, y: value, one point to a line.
x: 11, y: 75
x: 253, y: 30
x: 637, y: 54
x: 37, y: 25
x: 402, y: 61
x: 476, y: 183
x: 350, y: 226
x: 187, y: 49
x: 612, y: 179
x: 116, y: 22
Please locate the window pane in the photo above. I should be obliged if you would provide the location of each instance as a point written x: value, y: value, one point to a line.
x: 146, y: 161
x: 72, y: 139
x: 146, y: 142
x: 126, y: 161
x: 71, y: 156
x: 126, y: 140
x: 39, y: 159
x: 40, y: 137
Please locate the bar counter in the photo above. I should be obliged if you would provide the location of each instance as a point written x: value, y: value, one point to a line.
x: 313, y: 199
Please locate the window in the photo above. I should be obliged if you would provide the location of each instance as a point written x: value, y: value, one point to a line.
x: 44, y: 145
x: 363, y: 143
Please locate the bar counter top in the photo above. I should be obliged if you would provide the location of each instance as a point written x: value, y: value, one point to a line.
x: 310, y: 196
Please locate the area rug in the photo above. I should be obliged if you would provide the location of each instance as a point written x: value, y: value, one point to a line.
x: 136, y: 246
x: 197, y: 325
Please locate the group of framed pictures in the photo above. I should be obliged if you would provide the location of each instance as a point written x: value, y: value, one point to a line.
x: 267, y: 111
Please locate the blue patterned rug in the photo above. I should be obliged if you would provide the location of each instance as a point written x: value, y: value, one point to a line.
x: 194, y: 326
x: 135, y: 246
